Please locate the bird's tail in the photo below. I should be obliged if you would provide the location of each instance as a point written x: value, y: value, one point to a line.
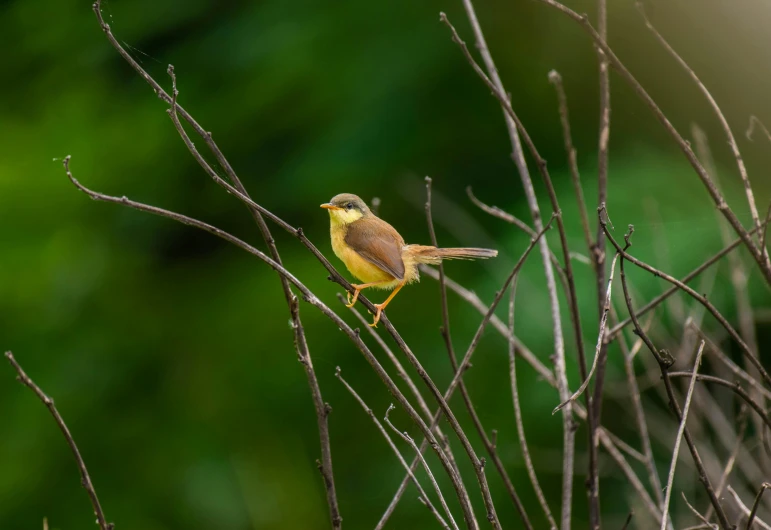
x: 433, y: 255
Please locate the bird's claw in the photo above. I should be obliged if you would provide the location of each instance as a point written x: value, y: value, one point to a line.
x: 355, y: 297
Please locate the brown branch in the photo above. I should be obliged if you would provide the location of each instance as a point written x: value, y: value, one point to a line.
x: 665, y: 360
x: 518, y: 158
x: 615, y: 330
x: 600, y: 341
x: 465, y: 363
x: 85, y: 478
x: 518, y: 414
x: 699, y: 516
x: 716, y: 109
x: 309, y: 297
x: 413, y: 478
x: 556, y: 79
x: 749, y: 355
x: 683, y: 144
x: 446, y: 335
x: 300, y: 342
x: 679, y: 437
x: 406, y: 437
x: 754, y: 511
x: 572, y: 299
x: 639, y: 413
x: 605, y: 439
x: 744, y: 509
x: 742, y: 421
x: 737, y: 389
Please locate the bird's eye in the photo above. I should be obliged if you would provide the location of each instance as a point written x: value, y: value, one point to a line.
x: 349, y: 206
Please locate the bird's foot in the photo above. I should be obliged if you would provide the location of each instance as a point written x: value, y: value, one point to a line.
x: 355, y: 296
x: 377, y: 315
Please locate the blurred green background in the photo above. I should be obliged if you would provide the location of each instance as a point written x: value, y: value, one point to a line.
x: 169, y: 352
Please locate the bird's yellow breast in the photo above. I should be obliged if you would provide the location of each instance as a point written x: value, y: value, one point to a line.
x: 361, y: 268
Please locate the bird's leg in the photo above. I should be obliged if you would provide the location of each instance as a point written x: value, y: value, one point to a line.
x: 382, y: 306
x: 358, y: 287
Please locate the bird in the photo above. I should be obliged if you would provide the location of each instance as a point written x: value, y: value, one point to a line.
x: 374, y: 252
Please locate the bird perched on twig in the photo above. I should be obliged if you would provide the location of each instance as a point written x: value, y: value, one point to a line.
x: 375, y: 253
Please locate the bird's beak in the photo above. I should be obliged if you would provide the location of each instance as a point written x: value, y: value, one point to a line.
x: 328, y: 206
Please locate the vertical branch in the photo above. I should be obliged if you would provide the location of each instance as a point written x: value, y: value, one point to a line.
x: 679, y: 437
x: 551, y: 284
x: 489, y: 444
x: 85, y: 478
x: 556, y: 79
x: 518, y: 413
x: 665, y: 360
x: 754, y: 511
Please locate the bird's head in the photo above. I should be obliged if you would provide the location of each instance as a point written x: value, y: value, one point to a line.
x: 346, y: 208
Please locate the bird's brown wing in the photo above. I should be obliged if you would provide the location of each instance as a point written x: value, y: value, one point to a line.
x: 379, y: 243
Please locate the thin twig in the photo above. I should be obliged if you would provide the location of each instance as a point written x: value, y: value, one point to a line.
x: 600, y: 337
x: 556, y: 79
x: 406, y: 437
x: 699, y: 516
x: 743, y: 508
x: 749, y: 355
x: 679, y: 437
x: 85, y: 478
x: 488, y: 317
x: 446, y: 335
x: 639, y: 413
x: 515, y: 128
x: 672, y: 290
x: 300, y: 341
x: 518, y: 414
x: 716, y: 109
x: 628, y: 520
x: 737, y: 389
x: 395, y: 449
x: 308, y: 296
x: 683, y: 144
x: 665, y: 360
x: 544, y: 373
x: 755, y: 504
x: 729, y: 465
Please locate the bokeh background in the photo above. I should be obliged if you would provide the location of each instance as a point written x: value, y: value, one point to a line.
x: 169, y: 352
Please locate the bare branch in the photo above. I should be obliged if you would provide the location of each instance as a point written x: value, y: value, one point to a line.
x: 518, y: 414
x: 749, y: 355
x: 406, y: 437
x: 743, y: 508
x: 665, y: 360
x: 519, y: 161
x: 699, y: 516
x: 395, y: 449
x: 85, y: 478
x: 679, y: 437
x: 308, y: 296
x: 755, y: 505
x: 742, y: 421
x: 446, y: 335
x: 716, y: 109
x: 600, y: 337
x: 683, y: 144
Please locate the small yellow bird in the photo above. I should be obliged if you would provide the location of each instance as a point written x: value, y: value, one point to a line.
x: 375, y: 253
